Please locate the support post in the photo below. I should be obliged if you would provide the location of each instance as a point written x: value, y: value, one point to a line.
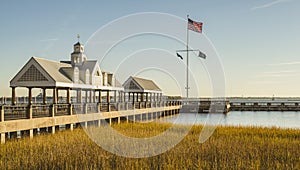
x: 115, y: 96
x: 44, y: 96
x: 53, y: 110
x: 118, y: 106
x: 98, y: 107
x: 70, y: 126
x: 70, y: 109
x: 108, y: 100
x: 13, y: 95
x: 51, y: 129
x: 86, y: 96
x: 54, y: 96
x: 100, y: 97
x: 29, y: 95
x: 57, y: 95
x: 31, y: 133
x: 2, y: 114
x: 142, y: 97
x: 94, y: 96
x: 85, y: 108
x: 2, y: 140
x: 79, y: 96
x: 29, y: 111
x: 133, y: 96
x: 68, y: 96
x: 91, y: 96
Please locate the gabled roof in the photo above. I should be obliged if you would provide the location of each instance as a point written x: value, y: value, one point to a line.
x: 54, y: 69
x: 146, y: 84
x: 40, y: 72
x: 140, y: 84
x: 68, y: 71
x: 89, y: 64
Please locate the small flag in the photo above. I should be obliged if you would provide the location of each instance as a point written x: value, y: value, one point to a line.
x: 179, y: 56
x: 195, y: 26
x: 202, y: 55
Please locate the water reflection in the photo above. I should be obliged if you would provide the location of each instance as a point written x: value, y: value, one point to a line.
x: 237, y: 118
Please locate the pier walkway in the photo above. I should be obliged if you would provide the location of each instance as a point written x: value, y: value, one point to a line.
x: 264, y: 106
x: 27, y: 119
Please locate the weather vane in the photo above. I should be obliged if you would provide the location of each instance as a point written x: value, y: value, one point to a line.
x: 78, y: 36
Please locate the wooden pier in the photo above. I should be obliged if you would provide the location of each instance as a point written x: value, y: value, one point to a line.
x: 27, y: 119
x: 265, y: 106
x: 205, y: 106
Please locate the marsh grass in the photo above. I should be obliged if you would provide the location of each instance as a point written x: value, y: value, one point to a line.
x: 227, y: 148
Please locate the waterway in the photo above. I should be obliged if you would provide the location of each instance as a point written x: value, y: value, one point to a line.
x: 238, y: 118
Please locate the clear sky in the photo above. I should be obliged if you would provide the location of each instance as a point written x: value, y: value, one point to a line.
x: 257, y: 41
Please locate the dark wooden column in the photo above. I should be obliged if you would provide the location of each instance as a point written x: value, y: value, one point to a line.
x: 100, y: 97
x: 142, y: 97
x: 29, y: 95
x: 147, y: 97
x: 86, y: 96
x: 133, y: 96
x: 13, y: 95
x: 54, y: 95
x: 115, y: 96
x: 44, y: 96
x: 107, y: 96
x: 79, y: 98
x: 94, y: 96
x: 91, y: 96
x: 68, y: 96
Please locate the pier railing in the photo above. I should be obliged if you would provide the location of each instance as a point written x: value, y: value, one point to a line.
x: 17, y: 112
x: 264, y: 106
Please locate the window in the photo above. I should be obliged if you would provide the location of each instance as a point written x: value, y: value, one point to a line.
x: 76, y: 75
x: 87, y: 76
x: 76, y: 60
x: 97, y: 73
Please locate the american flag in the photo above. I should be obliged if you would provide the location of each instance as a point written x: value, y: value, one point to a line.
x: 195, y: 26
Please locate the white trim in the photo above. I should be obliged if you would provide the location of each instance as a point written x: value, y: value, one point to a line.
x: 86, y: 86
x: 142, y: 91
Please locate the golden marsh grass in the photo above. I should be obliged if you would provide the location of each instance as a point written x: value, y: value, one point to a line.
x: 227, y: 148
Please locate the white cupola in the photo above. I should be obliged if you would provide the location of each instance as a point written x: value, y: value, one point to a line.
x: 78, y: 57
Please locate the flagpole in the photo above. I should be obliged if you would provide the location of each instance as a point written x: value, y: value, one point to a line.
x: 187, y: 59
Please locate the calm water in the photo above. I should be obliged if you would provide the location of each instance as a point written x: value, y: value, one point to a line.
x: 237, y: 118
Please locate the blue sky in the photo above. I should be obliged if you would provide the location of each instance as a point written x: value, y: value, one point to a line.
x: 257, y: 41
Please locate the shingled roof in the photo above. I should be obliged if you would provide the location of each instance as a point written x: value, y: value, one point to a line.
x: 140, y: 84
x: 41, y: 72
x: 146, y: 84
x: 54, y: 68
